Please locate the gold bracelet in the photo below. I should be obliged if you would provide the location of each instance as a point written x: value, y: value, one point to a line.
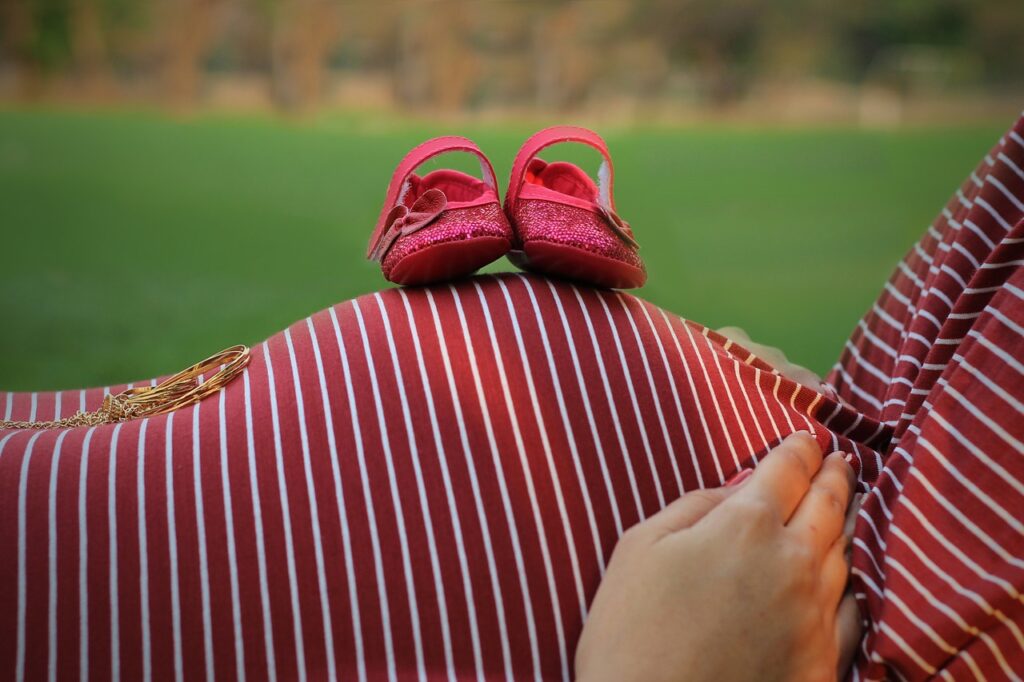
x: 178, y: 391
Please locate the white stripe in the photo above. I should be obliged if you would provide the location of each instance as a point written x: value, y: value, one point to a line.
x: 563, y: 412
x: 56, y: 405
x: 868, y: 366
x: 204, y: 569
x: 856, y: 422
x: 987, y: 500
x: 972, y: 527
x: 782, y: 405
x: 906, y: 648
x: 286, y: 517
x: 927, y: 343
x: 229, y: 522
x: 1013, y: 326
x: 858, y: 542
x: 976, y: 598
x: 261, y: 552
x: 887, y: 318
x: 898, y: 295
x: 989, y: 384
x: 612, y: 407
x: 346, y: 538
x: 83, y: 563
x: 140, y: 493
x: 871, y: 522
x: 10, y: 406
x: 926, y: 314
x: 957, y: 552
x: 585, y: 397
x: 385, y: 614
x: 549, y: 456
x: 972, y: 226
x: 1003, y: 264
x: 1007, y: 193
x: 172, y: 547
x: 948, y: 341
x: 22, y: 567
x: 675, y: 392
x: 115, y: 616
x: 923, y: 254
x: 912, y: 360
x: 764, y: 403
x: 992, y: 465
x: 492, y: 570
x: 641, y: 426
x: 858, y: 391
x: 700, y: 410
x: 502, y: 486
x: 421, y: 491
x: 994, y: 213
x: 1011, y: 361
x: 650, y: 381
x: 52, y: 561
x: 910, y: 274
x: 934, y: 290
x: 531, y: 491
x: 35, y: 406
x: 986, y: 420
x: 941, y: 605
x: 750, y: 407
x: 710, y: 390
x: 963, y: 200
x: 449, y: 491
x: 314, y: 512
x: 967, y: 254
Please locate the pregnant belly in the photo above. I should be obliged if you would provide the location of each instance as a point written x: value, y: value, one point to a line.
x: 422, y: 482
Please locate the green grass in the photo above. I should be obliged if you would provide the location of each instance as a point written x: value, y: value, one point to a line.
x: 135, y: 244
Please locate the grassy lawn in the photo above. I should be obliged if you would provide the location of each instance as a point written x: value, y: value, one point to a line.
x: 134, y: 244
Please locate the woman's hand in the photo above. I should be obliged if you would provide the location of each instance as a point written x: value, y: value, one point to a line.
x: 744, y: 582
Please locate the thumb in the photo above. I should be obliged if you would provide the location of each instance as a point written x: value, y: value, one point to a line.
x: 693, y: 506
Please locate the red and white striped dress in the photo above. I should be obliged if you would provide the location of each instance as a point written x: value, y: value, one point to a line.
x: 427, y: 483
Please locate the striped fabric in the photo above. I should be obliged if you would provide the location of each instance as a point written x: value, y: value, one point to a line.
x: 428, y: 483
x: 939, y: 360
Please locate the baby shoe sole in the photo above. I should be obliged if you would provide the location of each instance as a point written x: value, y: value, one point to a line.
x: 448, y: 260
x: 570, y: 262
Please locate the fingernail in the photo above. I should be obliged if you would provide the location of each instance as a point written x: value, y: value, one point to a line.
x: 849, y: 458
x: 739, y: 477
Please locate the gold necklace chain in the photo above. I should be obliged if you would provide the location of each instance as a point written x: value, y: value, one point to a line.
x: 178, y: 391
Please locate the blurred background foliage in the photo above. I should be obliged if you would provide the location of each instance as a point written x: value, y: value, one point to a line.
x: 870, y: 60
x: 180, y: 175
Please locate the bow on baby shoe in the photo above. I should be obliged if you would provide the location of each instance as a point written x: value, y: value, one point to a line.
x: 619, y: 226
x: 402, y: 220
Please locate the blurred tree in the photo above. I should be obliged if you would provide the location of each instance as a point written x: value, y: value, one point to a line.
x: 17, y: 36
x: 88, y: 47
x: 304, y: 34
x: 554, y: 54
x: 995, y: 31
x: 718, y: 37
x: 187, y: 29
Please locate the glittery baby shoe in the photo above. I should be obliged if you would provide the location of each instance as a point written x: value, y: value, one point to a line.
x: 565, y: 224
x: 441, y: 226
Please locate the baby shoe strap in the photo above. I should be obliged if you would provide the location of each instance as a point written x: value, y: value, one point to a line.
x: 416, y: 157
x: 557, y: 135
